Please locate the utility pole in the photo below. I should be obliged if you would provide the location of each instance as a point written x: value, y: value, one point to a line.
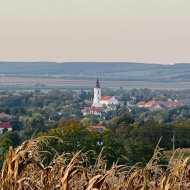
x: 173, y: 142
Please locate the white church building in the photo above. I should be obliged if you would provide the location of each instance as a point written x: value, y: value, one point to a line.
x: 100, y: 101
x: 108, y: 100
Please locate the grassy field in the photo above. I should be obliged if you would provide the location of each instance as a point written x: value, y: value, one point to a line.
x: 21, y: 83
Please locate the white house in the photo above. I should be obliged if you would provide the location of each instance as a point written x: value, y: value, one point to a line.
x: 92, y: 111
x: 184, y: 102
x: 5, y: 125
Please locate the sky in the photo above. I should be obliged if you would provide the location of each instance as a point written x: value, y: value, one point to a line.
x: 146, y: 31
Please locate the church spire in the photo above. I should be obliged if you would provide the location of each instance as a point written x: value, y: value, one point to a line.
x: 97, y: 83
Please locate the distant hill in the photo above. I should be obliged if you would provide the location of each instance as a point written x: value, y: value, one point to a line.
x: 105, y: 70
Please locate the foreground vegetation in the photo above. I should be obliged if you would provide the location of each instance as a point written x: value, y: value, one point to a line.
x: 23, y: 169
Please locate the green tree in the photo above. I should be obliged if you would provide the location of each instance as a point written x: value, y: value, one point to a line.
x: 34, y: 125
x: 139, y: 152
x: 16, y: 124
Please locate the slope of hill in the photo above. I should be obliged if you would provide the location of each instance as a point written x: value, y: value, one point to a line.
x: 106, y: 70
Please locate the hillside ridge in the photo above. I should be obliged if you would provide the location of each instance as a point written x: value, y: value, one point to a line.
x: 130, y: 71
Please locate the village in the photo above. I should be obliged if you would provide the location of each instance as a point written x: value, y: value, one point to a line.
x: 84, y: 104
x: 104, y: 104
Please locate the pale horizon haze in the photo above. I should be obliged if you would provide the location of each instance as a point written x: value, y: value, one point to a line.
x: 146, y: 31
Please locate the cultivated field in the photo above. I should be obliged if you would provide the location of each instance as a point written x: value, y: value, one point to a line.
x: 59, y: 83
x: 23, y: 169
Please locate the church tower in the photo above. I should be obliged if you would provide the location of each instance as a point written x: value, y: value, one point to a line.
x: 97, y: 94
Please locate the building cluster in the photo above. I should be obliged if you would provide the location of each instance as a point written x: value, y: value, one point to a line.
x: 106, y: 103
x: 100, y: 103
x: 158, y: 105
x: 161, y: 105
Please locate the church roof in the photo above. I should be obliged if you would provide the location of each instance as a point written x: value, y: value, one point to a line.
x: 105, y: 97
x: 97, y: 83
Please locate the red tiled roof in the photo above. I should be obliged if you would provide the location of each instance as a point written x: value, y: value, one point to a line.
x: 141, y: 103
x: 3, y: 96
x: 105, y: 97
x: 97, y: 128
x: 88, y: 109
x: 4, y: 115
x: 5, y: 125
x: 153, y: 103
x: 170, y: 103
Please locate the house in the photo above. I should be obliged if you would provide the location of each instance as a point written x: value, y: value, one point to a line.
x: 5, y: 116
x: 96, y: 128
x: 5, y: 125
x: 133, y: 99
x: 157, y: 107
x: 2, y: 96
x: 112, y: 106
x: 92, y: 111
x: 171, y: 104
x: 141, y: 104
x: 185, y: 102
x: 131, y: 107
x: 152, y: 104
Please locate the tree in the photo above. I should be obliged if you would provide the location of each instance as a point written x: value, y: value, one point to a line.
x: 13, y: 137
x: 19, y: 110
x: 5, y: 143
x: 72, y: 134
x: 35, y: 124
x: 16, y: 124
x: 86, y: 121
x: 139, y: 152
x: 114, y: 149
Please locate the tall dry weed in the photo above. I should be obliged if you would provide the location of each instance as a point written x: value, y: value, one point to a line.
x: 23, y: 170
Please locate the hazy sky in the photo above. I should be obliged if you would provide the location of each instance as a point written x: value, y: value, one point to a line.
x: 153, y: 31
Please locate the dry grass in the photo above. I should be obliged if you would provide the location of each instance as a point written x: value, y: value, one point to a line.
x: 23, y: 170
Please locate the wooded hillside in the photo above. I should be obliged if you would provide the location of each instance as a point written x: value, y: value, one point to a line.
x: 120, y: 71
